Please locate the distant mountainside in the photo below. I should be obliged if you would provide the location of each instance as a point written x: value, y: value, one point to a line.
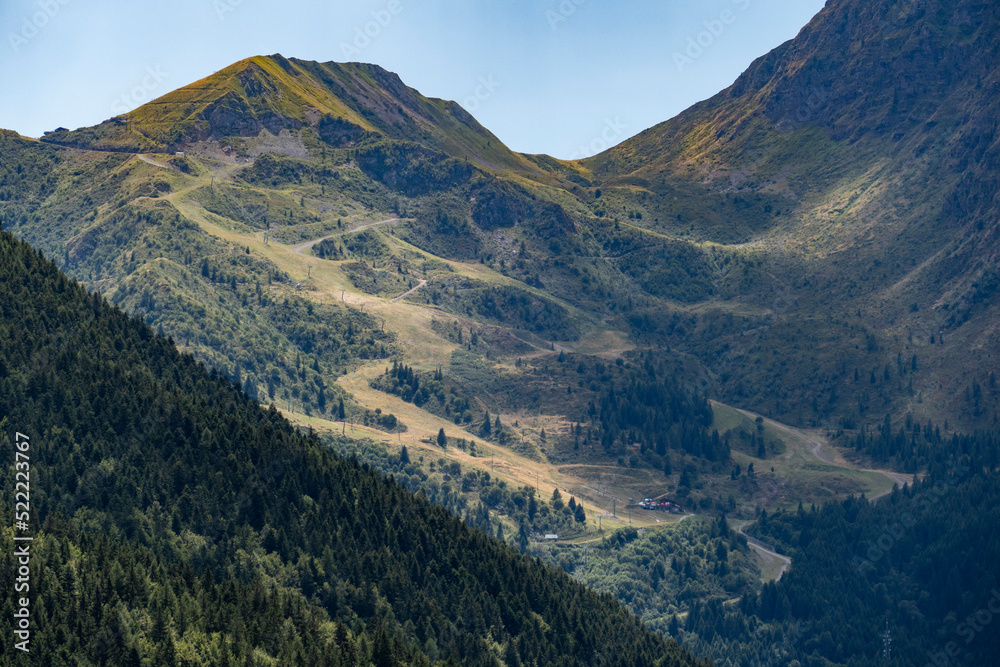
x: 174, y: 521
x: 816, y: 243
x: 346, y: 103
x: 874, y: 136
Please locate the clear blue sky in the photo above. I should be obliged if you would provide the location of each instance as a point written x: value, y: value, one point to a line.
x: 564, y: 77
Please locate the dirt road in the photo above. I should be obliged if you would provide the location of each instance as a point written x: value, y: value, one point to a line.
x: 302, y: 247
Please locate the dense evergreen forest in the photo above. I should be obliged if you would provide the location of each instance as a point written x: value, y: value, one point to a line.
x: 176, y: 522
x: 912, y: 446
x: 475, y: 495
x: 920, y: 564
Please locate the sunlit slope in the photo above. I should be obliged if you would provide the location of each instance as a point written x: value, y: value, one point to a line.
x: 345, y: 102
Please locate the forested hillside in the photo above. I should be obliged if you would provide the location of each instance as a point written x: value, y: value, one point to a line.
x: 919, y: 564
x: 177, y: 522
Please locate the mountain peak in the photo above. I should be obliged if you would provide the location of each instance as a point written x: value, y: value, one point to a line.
x: 344, y: 102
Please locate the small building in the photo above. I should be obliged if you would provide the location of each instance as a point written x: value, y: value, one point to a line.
x: 551, y: 537
x: 662, y: 505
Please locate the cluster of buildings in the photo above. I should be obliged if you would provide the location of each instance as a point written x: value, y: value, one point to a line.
x: 662, y: 504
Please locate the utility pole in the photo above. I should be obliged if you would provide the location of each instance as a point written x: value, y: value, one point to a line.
x: 614, y: 507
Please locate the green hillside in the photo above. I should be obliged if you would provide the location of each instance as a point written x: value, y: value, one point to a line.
x: 177, y: 522
x: 790, y: 237
x: 870, y: 142
x: 753, y: 307
x: 346, y: 104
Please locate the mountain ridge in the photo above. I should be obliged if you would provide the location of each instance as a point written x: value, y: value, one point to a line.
x: 346, y: 102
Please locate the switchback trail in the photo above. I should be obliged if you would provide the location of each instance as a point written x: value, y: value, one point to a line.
x: 410, y: 291
x: 302, y: 247
x: 817, y: 443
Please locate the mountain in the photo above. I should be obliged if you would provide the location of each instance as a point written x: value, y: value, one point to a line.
x: 791, y: 246
x: 817, y: 244
x: 346, y: 103
x: 872, y: 136
x: 175, y: 521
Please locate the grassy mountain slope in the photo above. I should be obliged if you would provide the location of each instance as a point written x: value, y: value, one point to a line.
x: 289, y: 249
x: 871, y: 136
x: 346, y: 103
x: 179, y: 522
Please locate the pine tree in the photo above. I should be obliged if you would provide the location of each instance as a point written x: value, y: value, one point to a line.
x: 487, y: 428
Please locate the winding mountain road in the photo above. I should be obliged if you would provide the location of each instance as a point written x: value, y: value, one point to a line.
x: 409, y: 291
x: 817, y: 450
x: 302, y: 247
x: 155, y: 163
x: 765, y: 551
